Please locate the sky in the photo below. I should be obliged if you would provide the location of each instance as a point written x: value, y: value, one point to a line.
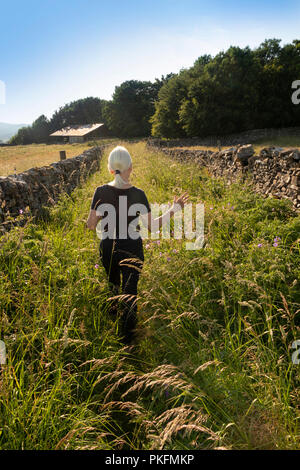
x: 56, y: 51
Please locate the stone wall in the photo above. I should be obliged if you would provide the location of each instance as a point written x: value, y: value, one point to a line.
x: 31, y: 191
x: 232, y: 139
x: 274, y: 171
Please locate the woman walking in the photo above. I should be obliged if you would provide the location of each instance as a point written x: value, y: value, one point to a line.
x: 119, y: 204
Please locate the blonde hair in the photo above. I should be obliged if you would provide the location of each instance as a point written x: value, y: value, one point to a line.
x: 119, y: 159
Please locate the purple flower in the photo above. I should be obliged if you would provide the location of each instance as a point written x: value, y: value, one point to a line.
x: 168, y: 258
x: 96, y: 266
x: 21, y: 211
x: 175, y: 251
x: 147, y: 246
x: 259, y: 245
x: 275, y: 244
x: 158, y: 242
x: 211, y: 208
x: 276, y: 239
x: 160, y: 253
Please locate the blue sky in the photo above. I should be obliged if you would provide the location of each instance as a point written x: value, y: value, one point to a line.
x: 53, y: 52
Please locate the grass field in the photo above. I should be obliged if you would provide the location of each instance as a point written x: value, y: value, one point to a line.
x: 284, y: 142
x: 212, y: 367
x: 288, y: 142
x: 20, y: 158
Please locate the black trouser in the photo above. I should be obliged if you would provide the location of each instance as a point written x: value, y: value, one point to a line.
x: 124, y: 257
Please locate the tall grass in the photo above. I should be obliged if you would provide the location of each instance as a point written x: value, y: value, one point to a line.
x: 212, y: 366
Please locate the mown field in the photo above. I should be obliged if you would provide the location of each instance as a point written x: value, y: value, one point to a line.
x: 212, y: 366
x: 20, y: 158
x: 284, y: 142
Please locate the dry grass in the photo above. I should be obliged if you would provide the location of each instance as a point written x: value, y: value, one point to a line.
x: 285, y: 142
x: 201, y: 147
x: 20, y: 158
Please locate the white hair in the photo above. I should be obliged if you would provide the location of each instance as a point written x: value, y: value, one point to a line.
x: 119, y: 159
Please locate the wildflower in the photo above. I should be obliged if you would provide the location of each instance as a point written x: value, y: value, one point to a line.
x: 158, y: 242
x: 277, y: 239
x: 96, y: 266
x: 147, y: 246
x: 21, y: 211
x: 168, y: 258
x: 275, y: 244
x: 211, y: 208
x: 160, y: 253
x: 175, y: 251
x: 259, y: 245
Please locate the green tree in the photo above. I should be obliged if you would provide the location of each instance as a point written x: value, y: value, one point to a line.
x: 40, y: 129
x: 280, y: 66
x: 237, y: 90
x: 83, y: 111
x: 132, y: 105
x: 23, y: 137
x: 165, y: 121
x: 221, y: 97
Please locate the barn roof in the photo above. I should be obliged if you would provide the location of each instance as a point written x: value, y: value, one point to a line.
x: 76, y: 130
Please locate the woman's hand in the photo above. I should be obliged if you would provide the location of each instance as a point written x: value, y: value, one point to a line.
x: 180, y: 200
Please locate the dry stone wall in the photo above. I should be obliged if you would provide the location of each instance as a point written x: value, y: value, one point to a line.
x: 274, y: 171
x: 31, y: 191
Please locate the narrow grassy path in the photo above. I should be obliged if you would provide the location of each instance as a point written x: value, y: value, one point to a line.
x: 212, y: 368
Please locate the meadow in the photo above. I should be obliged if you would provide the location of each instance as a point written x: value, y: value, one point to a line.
x: 284, y: 142
x: 19, y: 158
x: 212, y: 366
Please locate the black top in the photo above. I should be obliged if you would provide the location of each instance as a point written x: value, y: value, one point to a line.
x: 108, y: 194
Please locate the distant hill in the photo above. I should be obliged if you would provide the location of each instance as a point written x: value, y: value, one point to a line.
x: 8, y: 130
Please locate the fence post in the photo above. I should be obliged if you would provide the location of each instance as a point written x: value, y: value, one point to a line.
x: 62, y: 155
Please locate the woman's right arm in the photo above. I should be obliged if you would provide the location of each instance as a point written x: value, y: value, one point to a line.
x: 92, y: 220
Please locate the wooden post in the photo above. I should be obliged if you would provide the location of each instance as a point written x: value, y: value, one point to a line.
x: 62, y: 155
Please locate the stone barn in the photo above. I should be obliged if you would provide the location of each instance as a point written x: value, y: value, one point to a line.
x: 80, y: 133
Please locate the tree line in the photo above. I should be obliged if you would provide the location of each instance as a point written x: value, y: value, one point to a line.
x: 238, y: 89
